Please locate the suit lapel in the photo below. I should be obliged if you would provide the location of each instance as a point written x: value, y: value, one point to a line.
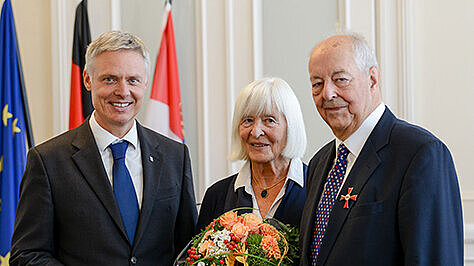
x: 89, y: 162
x: 151, y: 163
x: 362, y: 170
x: 316, y: 184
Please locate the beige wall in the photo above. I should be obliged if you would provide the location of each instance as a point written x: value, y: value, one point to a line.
x: 444, y: 69
x: 290, y: 32
x: 33, y: 26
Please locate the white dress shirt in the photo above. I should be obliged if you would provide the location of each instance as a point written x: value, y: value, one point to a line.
x: 355, y: 142
x: 244, y: 179
x: 133, y: 156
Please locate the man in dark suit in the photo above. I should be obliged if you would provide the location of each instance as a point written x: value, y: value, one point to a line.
x: 384, y: 192
x: 110, y: 192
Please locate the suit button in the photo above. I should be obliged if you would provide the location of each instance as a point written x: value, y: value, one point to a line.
x: 133, y: 260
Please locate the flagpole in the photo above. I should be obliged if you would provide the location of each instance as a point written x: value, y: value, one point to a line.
x: 26, y: 111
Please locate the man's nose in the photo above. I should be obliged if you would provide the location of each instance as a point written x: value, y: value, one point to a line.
x: 329, y: 91
x: 122, y: 89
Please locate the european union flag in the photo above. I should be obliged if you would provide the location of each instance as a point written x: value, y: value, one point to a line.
x: 14, y: 126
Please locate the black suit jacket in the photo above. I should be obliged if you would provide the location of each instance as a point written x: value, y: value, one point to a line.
x: 408, y: 206
x: 67, y: 213
x: 221, y: 198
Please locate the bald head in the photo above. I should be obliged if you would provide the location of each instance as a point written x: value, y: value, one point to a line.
x: 337, y: 41
x: 345, y: 80
x: 364, y: 56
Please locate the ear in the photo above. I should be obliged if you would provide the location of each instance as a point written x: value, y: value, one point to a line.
x: 374, y: 77
x: 87, y: 80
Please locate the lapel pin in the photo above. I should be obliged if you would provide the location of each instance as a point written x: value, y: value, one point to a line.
x: 348, y: 197
x: 151, y: 158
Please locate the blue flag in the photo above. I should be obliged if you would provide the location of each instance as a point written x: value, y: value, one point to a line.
x: 12, y: 129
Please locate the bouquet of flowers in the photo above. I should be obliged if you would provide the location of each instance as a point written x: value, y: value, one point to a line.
x: 246, y: 239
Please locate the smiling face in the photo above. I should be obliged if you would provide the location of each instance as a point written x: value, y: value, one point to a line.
x: 117, y: 84
x: 264, y: 137
x: 344, y: 95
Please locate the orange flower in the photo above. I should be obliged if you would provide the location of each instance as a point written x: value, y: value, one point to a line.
x: 203, y: 248
x: 270, y: 246
x: 252, y: 221
x: 269, y: 230
x: 208, y: 233
x: 228, y: 219
x: 241, y: 231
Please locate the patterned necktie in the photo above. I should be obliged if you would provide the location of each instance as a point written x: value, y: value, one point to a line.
x: 335, y: 178
x: 123, y: 190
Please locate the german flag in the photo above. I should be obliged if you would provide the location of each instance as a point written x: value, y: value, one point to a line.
x: 80, y: 104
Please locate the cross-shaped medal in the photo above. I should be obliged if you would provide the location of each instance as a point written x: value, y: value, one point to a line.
x: 348, y: 197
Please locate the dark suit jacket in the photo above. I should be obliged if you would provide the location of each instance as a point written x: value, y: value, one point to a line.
x: 67, y: 212
x: 221, y: 198
x: 408, y: 206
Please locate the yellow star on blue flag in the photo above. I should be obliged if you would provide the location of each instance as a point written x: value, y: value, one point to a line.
x: 14, y: 128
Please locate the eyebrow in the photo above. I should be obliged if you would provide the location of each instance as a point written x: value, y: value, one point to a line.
x: 139, y: 77
x: 339, y: 72
x: 108, y: 75
x: 332, y: 74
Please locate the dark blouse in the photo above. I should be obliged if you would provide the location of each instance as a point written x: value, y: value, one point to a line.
x: 221, y: 197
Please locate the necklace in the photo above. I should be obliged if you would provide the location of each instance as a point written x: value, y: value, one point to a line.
x: 264, y: 192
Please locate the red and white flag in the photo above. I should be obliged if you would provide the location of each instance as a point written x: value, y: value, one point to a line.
x: 163, y: 113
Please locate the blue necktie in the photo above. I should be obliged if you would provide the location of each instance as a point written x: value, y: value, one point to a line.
x: 123, y: 190
x: 336, y: 176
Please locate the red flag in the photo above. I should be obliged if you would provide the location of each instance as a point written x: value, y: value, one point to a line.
x: 80, y: 104
x: 163, y: 112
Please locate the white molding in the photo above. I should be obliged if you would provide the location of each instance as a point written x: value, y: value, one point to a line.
x: 406, y: 104
x: 60, y: 66
x: 395, y: 53
x: 386, y: 43
x: 468, y: 243
x: 343, y: 13
x: 467, y: 196
x: 115, y: 15
x: 202, y: 97
x: 257, y: 36
x: 230, y: 72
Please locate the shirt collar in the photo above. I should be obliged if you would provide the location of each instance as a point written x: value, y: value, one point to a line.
x: 295, y: 173
x: 356, y: 141
x: 104, y: 138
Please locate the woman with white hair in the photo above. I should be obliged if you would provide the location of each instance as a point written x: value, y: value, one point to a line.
x: 268, y: 133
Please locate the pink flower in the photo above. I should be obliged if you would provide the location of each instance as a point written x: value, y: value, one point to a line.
x: 241, y: 231
x: 228, y: 219
x: 252, y: 221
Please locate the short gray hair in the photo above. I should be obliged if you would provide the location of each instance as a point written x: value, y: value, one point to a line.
x: 364, y: 56
x: 113, y: 41
x: 261, y: 96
